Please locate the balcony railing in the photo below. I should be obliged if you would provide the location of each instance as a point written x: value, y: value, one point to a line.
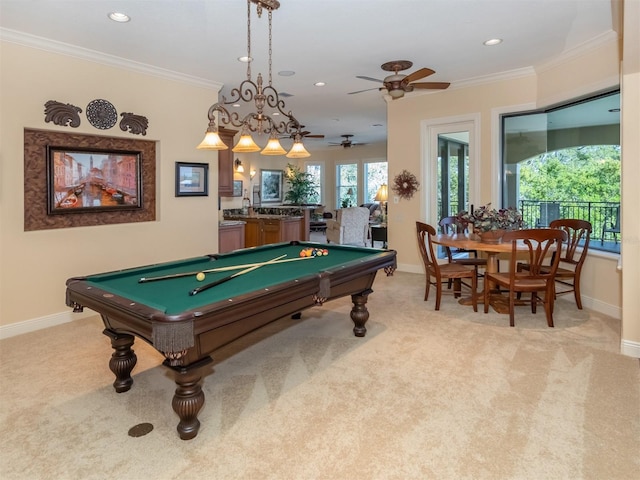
x: 604, y: 218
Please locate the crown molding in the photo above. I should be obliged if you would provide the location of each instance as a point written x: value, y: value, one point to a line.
x: 61, y: 48
x: 494, y: 77
x: 580, y: 50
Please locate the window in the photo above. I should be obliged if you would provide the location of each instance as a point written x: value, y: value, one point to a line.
x: 316, y: 173
x: 346, y: 185
x: 565, y: 162
x: 375, y: 174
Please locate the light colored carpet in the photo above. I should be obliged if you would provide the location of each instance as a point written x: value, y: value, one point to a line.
x: 425, y: 395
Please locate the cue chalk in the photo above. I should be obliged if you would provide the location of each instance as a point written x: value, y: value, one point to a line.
x: 197, y: 290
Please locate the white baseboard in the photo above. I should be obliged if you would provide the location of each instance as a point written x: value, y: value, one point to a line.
x: 630, y: 349
x: 7, y: 331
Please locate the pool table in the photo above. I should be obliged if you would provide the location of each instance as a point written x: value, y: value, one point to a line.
x: 157, y: 303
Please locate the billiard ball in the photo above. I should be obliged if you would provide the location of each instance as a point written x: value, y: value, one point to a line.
x: 200, y: 276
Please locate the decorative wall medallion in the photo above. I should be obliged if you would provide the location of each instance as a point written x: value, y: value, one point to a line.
x: 62, y: 114
x: 137, y: 124
x: 101, y: 114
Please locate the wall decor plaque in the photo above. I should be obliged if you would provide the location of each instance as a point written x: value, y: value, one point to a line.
x: 102, y: 114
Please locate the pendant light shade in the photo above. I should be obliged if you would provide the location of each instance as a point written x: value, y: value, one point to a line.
x: 298, y: 151
x: 246, y: 144
x: 212, y: 141
x: 273, y: 147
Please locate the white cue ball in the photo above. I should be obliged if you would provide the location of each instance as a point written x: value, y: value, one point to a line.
x: 200, y: 276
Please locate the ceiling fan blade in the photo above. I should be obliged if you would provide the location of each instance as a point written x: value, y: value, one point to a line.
x: 418, y: 74
x: 314, y: 136
x: 369, y: 78
x: 360, y: 91
x: 431, y: 85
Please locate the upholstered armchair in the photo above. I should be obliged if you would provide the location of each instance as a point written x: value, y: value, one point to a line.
x: 350, y: 227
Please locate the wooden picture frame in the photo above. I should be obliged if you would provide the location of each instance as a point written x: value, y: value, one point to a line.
x: 237, y: 188
x: 271, y: 186
x: 192, y: 179
x: 81, y: 180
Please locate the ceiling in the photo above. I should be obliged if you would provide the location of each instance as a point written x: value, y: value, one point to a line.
x: 332, y: 41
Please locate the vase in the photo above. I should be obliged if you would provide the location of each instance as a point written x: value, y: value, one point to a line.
x: 492, y: 236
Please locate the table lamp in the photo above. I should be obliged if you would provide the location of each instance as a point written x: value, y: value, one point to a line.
x: 382, y: 195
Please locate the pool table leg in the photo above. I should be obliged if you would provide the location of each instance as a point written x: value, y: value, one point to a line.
x: 122, y: 360
x: 189, y: 397
x: 359, y: 312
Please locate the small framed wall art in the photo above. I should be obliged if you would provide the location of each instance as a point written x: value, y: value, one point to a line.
x: 192, y: 179
x: 237, y: 188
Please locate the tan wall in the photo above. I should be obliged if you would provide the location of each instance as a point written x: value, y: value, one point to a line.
x: 563, y: 81
x: 35, y: 265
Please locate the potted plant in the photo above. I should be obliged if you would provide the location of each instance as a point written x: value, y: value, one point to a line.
x: 490, y: 224
x: 302, y: 189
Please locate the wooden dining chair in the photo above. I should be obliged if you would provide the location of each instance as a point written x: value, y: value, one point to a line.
x: 540, y: 243
x: 438, y: 274
x: 574, y: 253
x: 452, y: 225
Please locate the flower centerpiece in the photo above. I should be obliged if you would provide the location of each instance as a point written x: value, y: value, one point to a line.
x: 489, y: 223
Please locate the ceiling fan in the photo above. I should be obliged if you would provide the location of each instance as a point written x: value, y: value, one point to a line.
x: 302, y: 133
x: 346, y: 143
x: 398, y: 83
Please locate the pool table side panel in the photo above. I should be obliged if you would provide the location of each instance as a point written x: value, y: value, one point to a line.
x: 241, y: 318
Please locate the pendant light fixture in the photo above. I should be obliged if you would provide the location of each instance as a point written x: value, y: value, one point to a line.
x: 258, y: 121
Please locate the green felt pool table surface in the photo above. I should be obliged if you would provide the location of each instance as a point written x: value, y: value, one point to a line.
x: 171, y: 296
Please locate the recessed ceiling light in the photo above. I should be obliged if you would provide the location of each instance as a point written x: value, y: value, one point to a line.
x: 236, y: 105
x: 286, y: 73
x: 319, y: 84
x: 119, y: 17
x: 245, y: 59
x: 492, y: 41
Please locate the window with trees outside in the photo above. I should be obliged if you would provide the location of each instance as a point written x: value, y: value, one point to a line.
x: 564, y: 162
x: 375, y: 174
x: 315, y: 172
x: 346, y: 185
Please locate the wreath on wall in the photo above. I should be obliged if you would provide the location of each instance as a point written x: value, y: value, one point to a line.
x: 405, y: 184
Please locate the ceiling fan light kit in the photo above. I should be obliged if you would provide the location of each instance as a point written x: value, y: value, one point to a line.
x: 262, y: 97
x: 398, y: 84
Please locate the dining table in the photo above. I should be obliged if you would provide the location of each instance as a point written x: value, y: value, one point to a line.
x: 499, y: 302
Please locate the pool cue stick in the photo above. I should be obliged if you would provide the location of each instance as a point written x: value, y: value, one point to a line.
x: 218, y: 269
x: 234, y: 275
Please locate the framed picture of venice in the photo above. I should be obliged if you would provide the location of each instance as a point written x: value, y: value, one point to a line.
x: 89, y: 180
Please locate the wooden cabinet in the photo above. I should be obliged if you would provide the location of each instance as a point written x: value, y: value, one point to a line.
x: 272, y: 231
x: 293, y: 228
x: 225, y: 163
x: 266, y: 230
x: 230, y: 237
x: 253, y: 233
